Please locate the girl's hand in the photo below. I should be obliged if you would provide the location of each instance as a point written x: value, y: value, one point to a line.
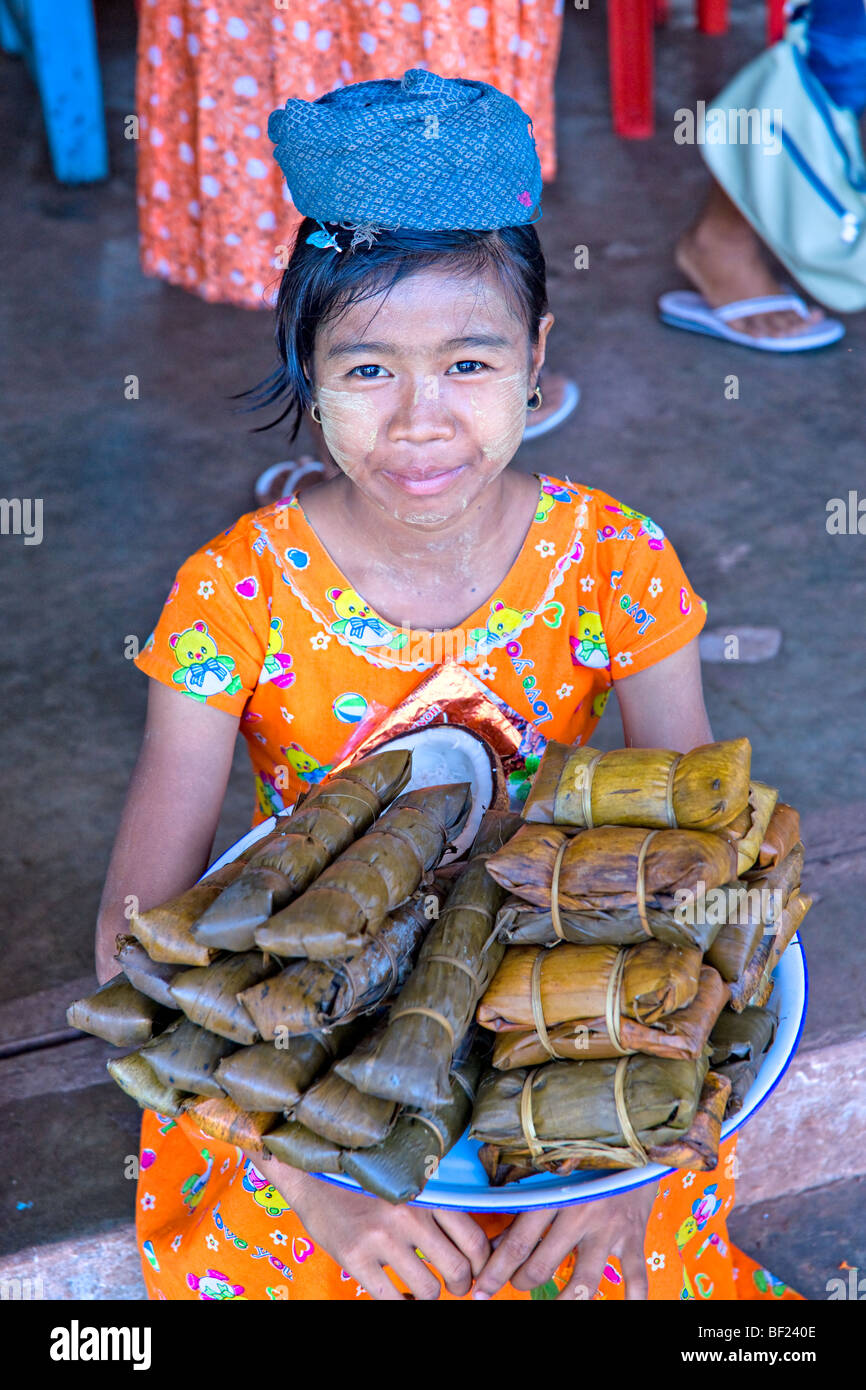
x: 363, y: 1234
x: 534, y: 1246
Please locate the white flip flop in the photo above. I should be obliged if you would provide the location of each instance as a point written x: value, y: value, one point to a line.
x: 570, y: 399
x: 688, y: 310
x: 294, y: 473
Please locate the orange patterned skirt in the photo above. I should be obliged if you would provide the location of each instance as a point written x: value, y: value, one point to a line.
x: 213, y: 207
x: 211, y: 1227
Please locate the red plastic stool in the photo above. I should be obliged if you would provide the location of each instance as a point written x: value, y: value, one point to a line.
x: 630, y: 53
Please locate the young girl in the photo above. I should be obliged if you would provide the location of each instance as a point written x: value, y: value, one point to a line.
x: 416, y: 334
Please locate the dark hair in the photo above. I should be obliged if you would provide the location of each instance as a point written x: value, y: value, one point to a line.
x: 320, y: 284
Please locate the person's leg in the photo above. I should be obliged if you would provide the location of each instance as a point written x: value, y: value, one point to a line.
x: 720, y: 254
x: 723, y: 258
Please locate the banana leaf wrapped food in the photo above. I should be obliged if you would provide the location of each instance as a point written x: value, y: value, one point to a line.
x: 783, y: 833
x: 610, y: 866
x: 398, y: 1168
x: 136, y: 1077
x: 150, y: 977
x: 683, y: 1033
x: 755, y: 977
x: 295, y: 1144
x: 225, y: 1121
x: 265, y: 1076
x: 312, y: 994
x: 186, y: 1057
x: 538, y: 987
x: 747, y: 830
x: 165, y: 931
x: 433, y: 1012
x: 209, y: 996
x: 746, y: 908
x: 697, y: 1149
x: 739, y: 1042
x: 336, y: 1110
x: 350, y: 900
x: 522, y: 924
x: 118, y: 1013
x: 650, y: 787
x: 303, y: 844
x: 594, y: 1114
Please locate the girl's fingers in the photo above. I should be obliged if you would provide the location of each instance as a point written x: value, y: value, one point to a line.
x: 634, y: 1270
x: 469, y: 1238
x: 575, y: 1288
x: 420, y: 1280
x: 372, y: 1277
x: 547, y: 1256
x: 513, y: 1251
x: 591, y: 1256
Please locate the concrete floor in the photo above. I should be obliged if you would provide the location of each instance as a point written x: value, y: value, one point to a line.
x: 130, y: 488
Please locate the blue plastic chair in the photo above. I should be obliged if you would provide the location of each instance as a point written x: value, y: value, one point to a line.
x: 57, y: 40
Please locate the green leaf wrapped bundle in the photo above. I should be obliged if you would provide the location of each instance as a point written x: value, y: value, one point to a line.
x: 304, y: 843
x: 118, y: 1013
x: 138, y: 1079
x: 435, y: 1008
x: 266, y: 1076
x: 747, y: 908
x: 336, y: 1110
x: 592, y: 1114
x: 148, y: 976
x: 311, y: 994
x: 398, y: 1168
x: 683, y: 1033
x: 186, y: 1057
x: 611, y: 866
x: 696, y: 1149
x: 348, y: 903
x: 209, y: 996
x: 298, y: 1146
x: 651, y: 787
x: 165, y: 931
x: 739, y: 1042
x: 521, y: 924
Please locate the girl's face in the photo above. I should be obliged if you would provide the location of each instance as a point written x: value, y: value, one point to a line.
x: 423, y: 392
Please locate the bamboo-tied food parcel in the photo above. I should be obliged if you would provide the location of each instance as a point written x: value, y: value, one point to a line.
x: 594, y: 1114
x: 280, y: 865
x: 350, y: 900
x: 650, y: 787
x: 433, y: 1011
x: 305, y: 842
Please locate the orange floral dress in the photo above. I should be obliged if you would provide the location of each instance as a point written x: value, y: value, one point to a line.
x: 215, y: 215
x: 261, y: 623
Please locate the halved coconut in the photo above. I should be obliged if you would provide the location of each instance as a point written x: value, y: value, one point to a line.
x: 445, y: 753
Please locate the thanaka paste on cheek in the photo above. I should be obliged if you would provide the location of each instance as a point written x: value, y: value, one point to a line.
x: 349, y: 425
x: 500, y: 415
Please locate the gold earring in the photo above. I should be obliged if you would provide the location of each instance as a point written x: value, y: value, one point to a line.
x: 538, y: 399
x: 317, y: 418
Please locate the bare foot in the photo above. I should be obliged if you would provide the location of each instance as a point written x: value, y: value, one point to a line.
x: 721, y: 256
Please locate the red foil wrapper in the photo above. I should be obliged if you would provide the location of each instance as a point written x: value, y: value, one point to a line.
x: 451, y: 695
